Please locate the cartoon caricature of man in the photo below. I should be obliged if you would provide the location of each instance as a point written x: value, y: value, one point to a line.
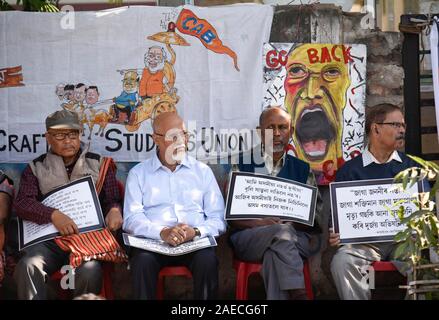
x: 59, y: 91
x: 91, y: 95
x: 79, y: 95
x: 316, y: 86
x: 158, y: 76
x: 127, y: 100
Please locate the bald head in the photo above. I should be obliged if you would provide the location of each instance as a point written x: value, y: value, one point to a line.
x: 275, y: 130
x: 166, y: 121
x: 273, y: 111
x: 171, y: 138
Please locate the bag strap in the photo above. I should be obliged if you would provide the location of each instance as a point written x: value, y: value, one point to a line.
x: 3, y: 177
x: 107, y: 162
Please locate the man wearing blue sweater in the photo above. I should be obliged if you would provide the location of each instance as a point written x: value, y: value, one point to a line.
x: 385, y: 131
x: 279, y: 246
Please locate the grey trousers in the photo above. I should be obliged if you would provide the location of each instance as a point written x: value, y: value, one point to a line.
x: 349, y: 267
x: 41, y: 260
x: 280, y: 248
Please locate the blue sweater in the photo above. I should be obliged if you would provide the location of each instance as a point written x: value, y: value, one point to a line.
x: 354, y: 170
x: 293, y: 169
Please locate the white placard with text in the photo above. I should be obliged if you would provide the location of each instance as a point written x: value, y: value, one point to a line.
x: 253, y: 196
x: 360, y: 209
x: 78, y: 200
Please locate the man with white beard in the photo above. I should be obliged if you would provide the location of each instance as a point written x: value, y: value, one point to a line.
x: 175, y: 198
x: 156, y: 77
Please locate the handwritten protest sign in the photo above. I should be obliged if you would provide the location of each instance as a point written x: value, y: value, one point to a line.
x: 360, y: 209
x: 253, y: 196
x: 78, y: 200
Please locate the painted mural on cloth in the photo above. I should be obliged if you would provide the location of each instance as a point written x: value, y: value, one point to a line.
x: 322, y: 86
x: 148, y: 91
x: 185, y: 59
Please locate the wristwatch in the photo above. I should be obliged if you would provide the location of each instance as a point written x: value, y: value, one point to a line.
x: 197, y: 234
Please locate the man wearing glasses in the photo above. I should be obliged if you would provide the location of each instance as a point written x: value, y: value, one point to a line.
x: 385, y: 131
x: 64, y: 162
x: 174, y: 198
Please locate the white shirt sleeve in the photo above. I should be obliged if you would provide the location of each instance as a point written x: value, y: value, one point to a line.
x: 135, y: 221
x: 213, y: 202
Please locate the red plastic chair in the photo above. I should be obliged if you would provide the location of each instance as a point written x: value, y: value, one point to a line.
x: 383, y: 266
x: 169, y: 272
x: 245, y: 269
x: 107, y: 286
x: 387, y: 266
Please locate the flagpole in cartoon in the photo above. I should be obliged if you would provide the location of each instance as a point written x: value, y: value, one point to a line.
x: 169, y: 37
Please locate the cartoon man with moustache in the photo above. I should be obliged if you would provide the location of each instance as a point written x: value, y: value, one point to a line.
x: 158, y: 75
x: 316, y: 86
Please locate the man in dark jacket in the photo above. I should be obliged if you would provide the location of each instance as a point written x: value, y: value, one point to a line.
x: 385, y: 130
x: 279, y: 246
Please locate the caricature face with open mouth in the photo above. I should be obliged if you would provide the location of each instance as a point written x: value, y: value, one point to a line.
x: 315, y: 88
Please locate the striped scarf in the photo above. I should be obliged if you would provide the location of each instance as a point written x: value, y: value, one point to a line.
x: 94, y: 245
x: 97, y: 245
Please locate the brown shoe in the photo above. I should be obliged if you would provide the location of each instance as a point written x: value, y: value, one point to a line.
x: 298, y: 294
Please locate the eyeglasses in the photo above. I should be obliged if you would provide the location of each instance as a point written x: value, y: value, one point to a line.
x: 298, y: 72
x: 396, y: 125
x: 62, y: 136
x: 173, y: 136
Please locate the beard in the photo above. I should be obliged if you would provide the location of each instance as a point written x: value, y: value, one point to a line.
x: 179, y: 153
x: 270, y: 148
x: 157, y: 68
x: 175, y: 153
x: 278, y: 148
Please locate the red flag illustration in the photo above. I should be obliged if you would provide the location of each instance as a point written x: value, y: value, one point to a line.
x: 11, y: 77
x: 189, y: 23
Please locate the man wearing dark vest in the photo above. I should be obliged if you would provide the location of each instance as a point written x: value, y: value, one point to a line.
x: 279, y: 246
x: 64, y: 162
x: 385, y: 131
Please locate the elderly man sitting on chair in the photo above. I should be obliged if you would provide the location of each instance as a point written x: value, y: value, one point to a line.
x: 175, y: 198
x: 279, y: 246
x: 64, y: 162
